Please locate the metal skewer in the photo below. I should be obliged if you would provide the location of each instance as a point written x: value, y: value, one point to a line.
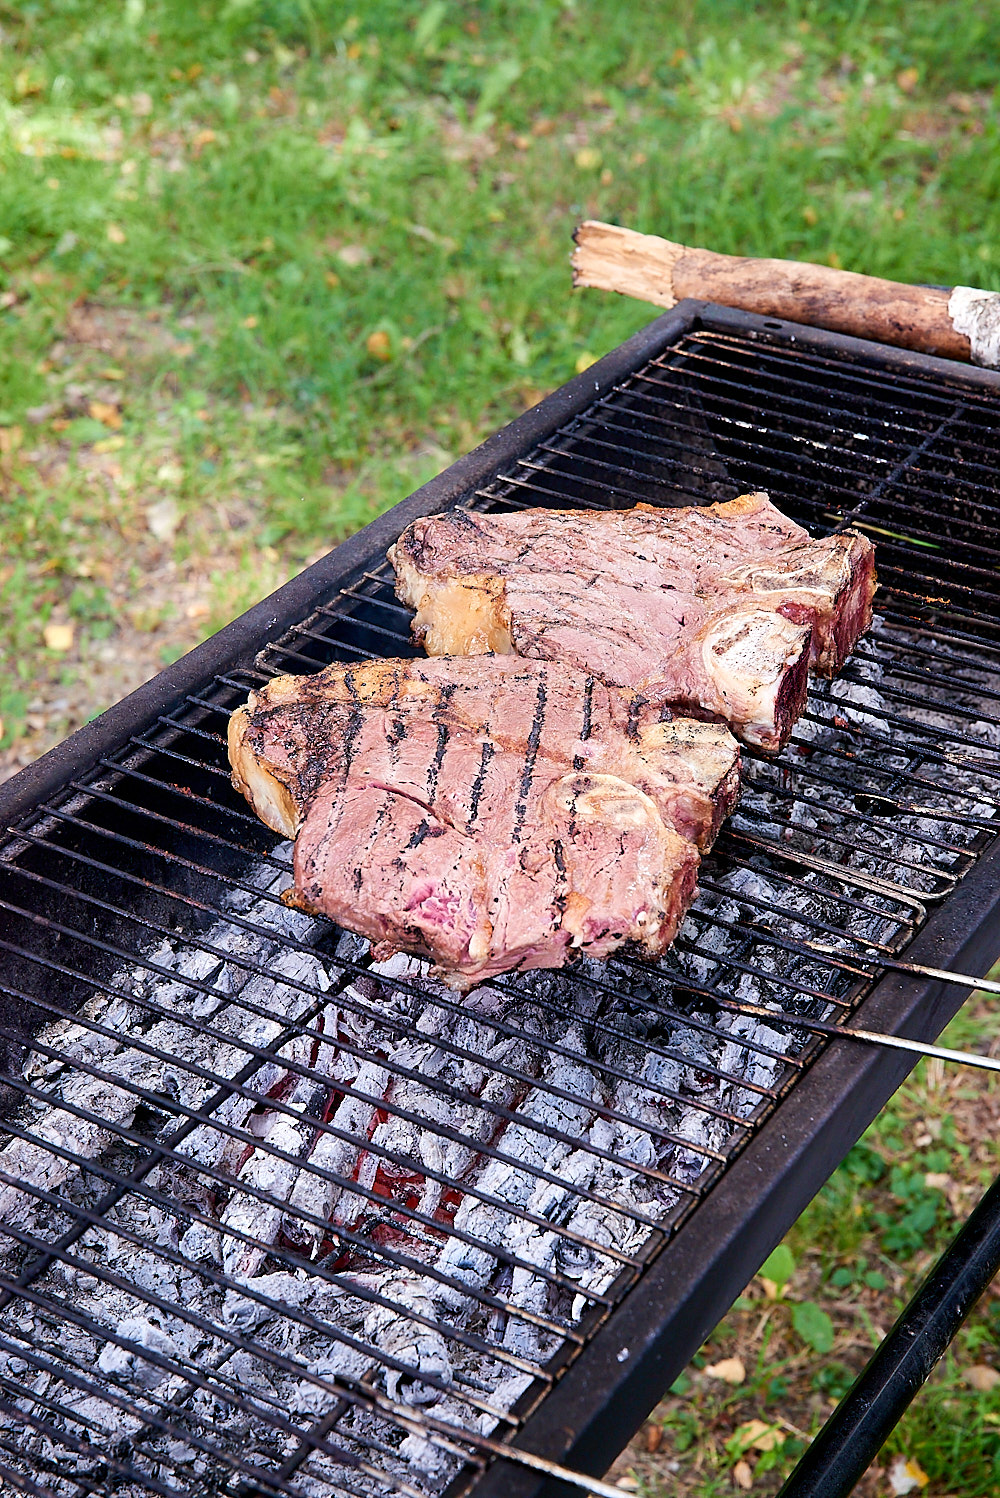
x: 892, y: 965
x: 987, y: 984
x: 871, y: 1037
x: 457, y: 1440
x: 515, y: 1454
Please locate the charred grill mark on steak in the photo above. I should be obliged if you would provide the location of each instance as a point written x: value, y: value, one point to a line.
x: 395, y: 736
x: 534, y: 739
x: 559, y: 898
x: 434, y: 769
x: 465, y: 519
x: 588, y: 708
x: 476, y: 792
x: 351, y: 731
x: 578, y: 760
x: 635, y: 712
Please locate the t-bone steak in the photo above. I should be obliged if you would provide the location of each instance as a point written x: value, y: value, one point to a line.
x: 487, y: 812
x: 718, y: 610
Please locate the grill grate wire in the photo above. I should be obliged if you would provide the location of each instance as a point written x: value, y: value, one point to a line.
x: 150, y: 876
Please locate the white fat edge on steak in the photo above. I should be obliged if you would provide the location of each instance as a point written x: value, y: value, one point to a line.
x: 746, y: 655
x: 465, y: 615
x: 270, y: 798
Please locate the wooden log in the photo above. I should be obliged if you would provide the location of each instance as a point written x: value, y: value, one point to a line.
x: 963, y: 323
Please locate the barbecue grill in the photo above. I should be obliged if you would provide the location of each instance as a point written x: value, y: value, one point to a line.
x: 281, y: 1220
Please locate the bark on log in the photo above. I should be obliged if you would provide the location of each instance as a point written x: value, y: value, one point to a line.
x: 963, y: 323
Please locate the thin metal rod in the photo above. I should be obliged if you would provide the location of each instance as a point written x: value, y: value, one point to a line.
x: 871, y: 1037
x: 520, y: 1458
x: 962, y: 980
x: 860, y: 1424
x: 985, y: 985
x: 454, y: 1439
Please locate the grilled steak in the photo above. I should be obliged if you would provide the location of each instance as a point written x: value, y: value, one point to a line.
x: 718, y: 610
x: 488, y: 813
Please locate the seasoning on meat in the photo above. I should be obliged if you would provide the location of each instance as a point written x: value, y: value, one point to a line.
x: 719, y: 610
x: 488, y: 813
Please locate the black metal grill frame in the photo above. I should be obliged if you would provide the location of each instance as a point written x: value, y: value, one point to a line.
x: 612, y: 1382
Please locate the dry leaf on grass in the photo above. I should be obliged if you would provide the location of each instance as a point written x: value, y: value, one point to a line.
x: 106, y: 413
x: 115, y: 234
x: 163, y: 519
x: 379, y: 345
x: 759, y: 1435
x: 730, y: 1370
x: 653, y: 1433
x: 906, y: 1476
x: 981, y: 1377
x: 354, y: 254
x: 58, y: 637
x: 743, y: 1476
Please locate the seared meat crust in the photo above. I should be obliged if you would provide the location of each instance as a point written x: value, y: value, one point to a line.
x: 490, y: 813
x: 718, y: 610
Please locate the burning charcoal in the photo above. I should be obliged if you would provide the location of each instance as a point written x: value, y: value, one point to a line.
x: 489, y: 1224
x: 126, y: 1365
x: 340, y: 1361
x: 201, y: 1242
x: 290, y: 1289
x: 30, y: 1160
x: 210, y: 1144
x: 269, y: 1174
x: 326, y: 1199
x: 506, y: 1390
x: 422, y: 1348
x: 180, y: 1452
x: 425, y: 1456
x: 529, y: 1292
x: 749, y: 1062
x: 225, y: 984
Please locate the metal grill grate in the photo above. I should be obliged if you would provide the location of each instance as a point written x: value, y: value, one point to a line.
x: 279, y: 1221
